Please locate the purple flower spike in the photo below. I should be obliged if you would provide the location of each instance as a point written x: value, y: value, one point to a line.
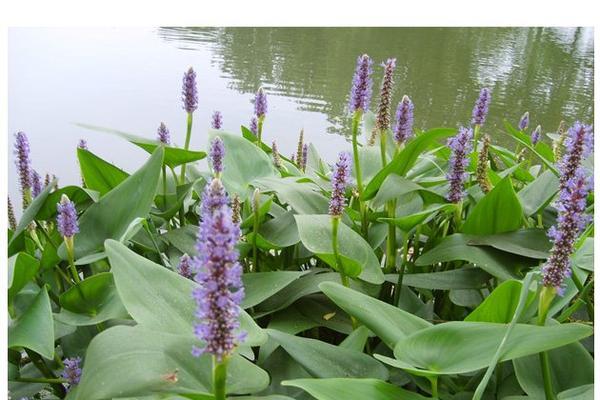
x: 164, y: 136
x: 72, y: 371
x: 185, y: 267
x: 189, y: 91
x: 254, y: 125
x: 481, y: 107
x: 82, y: 144
x: 260, y: 103
x: 461, y: 147
x: 304, y: 157
x: 23, y: 161
x: 360, y: 95
x: 578, y: 144
x: 66, y: 219
x: 404, y: 121
x: 570, y: 222
x: 385, y: 97
x: 276, y: 156
x: 218, y: 274
x: 536, y: 135
x: 339, y: 181
x: 216, y: 154
x: 217, y: 120
x: 524, y: 121
x: 36, y: 184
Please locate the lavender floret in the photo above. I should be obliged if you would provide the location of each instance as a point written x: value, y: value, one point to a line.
x: 339, y: 181
x: 254, y: 125
x: 404, y: 121
x: 304, y: 157
x: 524, y: 121
x: 82, y: 144
x: 36, y: 184
x: 578, y: 145
x: 217, y: 120
x: 216, y: 154
x: 164, y: 136
x: 260, y: 103
x: 360, y: 94
x: 218, y: 274
x: 72, y: 371
x: 570, y: 222
x: 460, y: 145
x: 536, y: 135
x: 189, y: 91
x: 481, y: 107
x: 66, y: 219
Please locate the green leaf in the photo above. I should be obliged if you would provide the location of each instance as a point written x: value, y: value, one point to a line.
x: 22, y: 268
x: 395, y: 186
x: 135, y: 361
x: 244, y: 163
x: 110, y: 217
x: 501, y: 304
x: 161, y: 299
x: 81, y: 197
x: 497, y: 212
x: 389, y: 323
x: 278, y: 232
x: 408, y: 222
x: 459, y: 347
x: 348, y: 388
x: 456, y: 247
x: 532, y: 243
x: 584, y: 256
x: 304, y: 198
x: 92, y: 301
x: 34, y: 329
x: 357, y: 339
x: 585, y: 392
x: 526, y: 141
x: 357, y: 257
x: 259, y: 286
x: 535, y: 196
x: 570, y: 366
x: 324, y: 360
x: 98, y: 174
x: 463, y: 278
x: 405, y: 160
x: 174, y: 156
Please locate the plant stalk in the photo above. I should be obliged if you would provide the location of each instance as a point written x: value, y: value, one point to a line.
x: 359, y: 184
x: 546, y: 296
x: 70, y: 245
x: 219, y: 378
x: 188, y: 136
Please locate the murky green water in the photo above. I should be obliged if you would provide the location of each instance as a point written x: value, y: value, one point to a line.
x: 130, y: 79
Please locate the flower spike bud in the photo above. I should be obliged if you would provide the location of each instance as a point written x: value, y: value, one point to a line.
x: 524, y: 121
x: 360, y: 94
x: 66, y: 219
x: 403, y: 130
x: 481, y: 108
x: 189, y: 91
x: 260, y: 103
x: 216, y: 155
x: 536, y: 135
x: 339, y: 181
x: 460, y: 145
x: 217, y: 120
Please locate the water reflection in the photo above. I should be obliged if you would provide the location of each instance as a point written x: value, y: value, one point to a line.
x: 548, y: 71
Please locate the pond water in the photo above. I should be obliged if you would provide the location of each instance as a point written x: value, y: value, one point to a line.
x: 130, y: 79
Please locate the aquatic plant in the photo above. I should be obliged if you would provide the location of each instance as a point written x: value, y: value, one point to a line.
x: 164, y: 136
x: 216, y: 120
x: 536, y: 135
x: 260, y: 110
x: 247, y: 275
x: 524, y: 121
x: 23, y: 163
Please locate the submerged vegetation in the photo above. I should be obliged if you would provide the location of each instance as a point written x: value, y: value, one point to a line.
x: 421, y: 264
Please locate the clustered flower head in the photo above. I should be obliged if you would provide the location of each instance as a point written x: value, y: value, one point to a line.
x: 536, y: 135
x: 360, y: 94
x: 276, y: 156
x: 163, y: 134
x: 460, y: 145
x: 82, y: 144
x: 558, y: 143
x: 570, y: 222
x: 66, y: 219
x: 260, y: 103
x: 579, y: 143
x: 23, y: 163
x: 404, y: 121
x: 254, y: 125
x: 304, y: 157
x: 482, y: 165
x: 189, y: 91
x: 299, y: 147
x: 481, y: 107
x: 185, y: 267
x: 216, y: 154
x: 12, y: 221
x: 36, y: 184
x: 339, y: 181
x: 217, y: 120
x: 524, y: 121
x: 218, y: 274
x: 385, y: 98
x: 72, y: 370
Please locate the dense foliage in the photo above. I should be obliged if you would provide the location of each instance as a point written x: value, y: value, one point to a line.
x: 419, y: 264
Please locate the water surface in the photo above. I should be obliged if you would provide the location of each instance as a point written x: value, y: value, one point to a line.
x: 130, y: 79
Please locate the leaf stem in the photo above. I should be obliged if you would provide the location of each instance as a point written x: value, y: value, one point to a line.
x: 359, y: 184
x: 219, y: 378
x: 70, y: 245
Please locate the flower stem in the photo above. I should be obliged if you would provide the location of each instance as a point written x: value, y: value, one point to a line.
x: 391, y: 238
x: 254, y: 241
x: 363, y: 210
x: 546, y: 296
x: 70, y: 245
x: 382, y: 145
x: 434, y: 386
x: 219, y: 378
x: 188, y: 136
x: 259, y: 131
